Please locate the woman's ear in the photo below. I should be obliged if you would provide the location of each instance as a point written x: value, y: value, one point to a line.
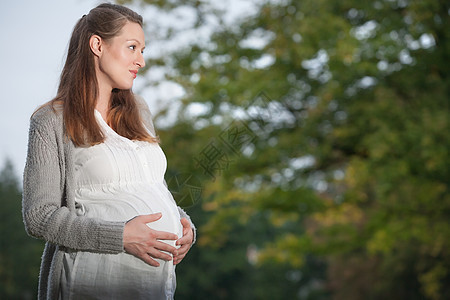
x: 96, y: 45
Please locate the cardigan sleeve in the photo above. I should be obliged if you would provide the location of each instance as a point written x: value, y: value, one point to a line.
x: 44, y: 214
x: 147, y: 120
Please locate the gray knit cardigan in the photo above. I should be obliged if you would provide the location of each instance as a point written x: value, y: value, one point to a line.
x: 48, y: 199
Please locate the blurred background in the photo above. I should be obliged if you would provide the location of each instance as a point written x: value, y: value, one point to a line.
x: 307, y: 139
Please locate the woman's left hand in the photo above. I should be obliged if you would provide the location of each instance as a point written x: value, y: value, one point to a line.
x: 185, y: 241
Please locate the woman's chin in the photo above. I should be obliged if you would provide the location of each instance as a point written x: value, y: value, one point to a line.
x: 124, y: 86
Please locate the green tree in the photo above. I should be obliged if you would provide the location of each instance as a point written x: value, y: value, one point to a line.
x: 19, y: 254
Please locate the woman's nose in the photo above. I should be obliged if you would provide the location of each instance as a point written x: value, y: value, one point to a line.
x: 140, y: 61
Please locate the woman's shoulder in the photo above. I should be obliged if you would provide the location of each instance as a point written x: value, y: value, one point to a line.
x: 48, y: 114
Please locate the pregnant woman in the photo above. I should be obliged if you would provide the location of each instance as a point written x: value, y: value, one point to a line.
x: 94, y: 185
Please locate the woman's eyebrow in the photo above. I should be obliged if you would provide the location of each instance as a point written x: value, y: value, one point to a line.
x: 135, y: 40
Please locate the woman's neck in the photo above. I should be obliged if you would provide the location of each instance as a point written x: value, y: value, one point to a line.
x: 103, y: 100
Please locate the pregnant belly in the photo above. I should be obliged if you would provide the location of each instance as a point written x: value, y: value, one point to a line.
x: 123, y: 206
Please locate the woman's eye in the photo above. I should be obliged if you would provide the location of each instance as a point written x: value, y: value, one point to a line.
x: 133, y: 47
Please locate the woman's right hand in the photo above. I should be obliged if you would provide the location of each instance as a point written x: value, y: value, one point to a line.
x: 144, y: 242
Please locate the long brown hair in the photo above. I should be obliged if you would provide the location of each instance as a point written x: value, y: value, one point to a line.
x: 78, y: 87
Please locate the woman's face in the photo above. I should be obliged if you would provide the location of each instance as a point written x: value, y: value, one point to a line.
x: 122, y: 58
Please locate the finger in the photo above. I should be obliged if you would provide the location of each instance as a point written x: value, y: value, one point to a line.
x: 178, y: 259
x: 149, y: 260
x: 187, y: 238
x: 164, y: 247
x: 149, y: 218
x: 159, y: 254
x: 184, y: 240
x: 183, y: 249
x: 187, y: 230
x: 185, y: 223
x: 164, y: 235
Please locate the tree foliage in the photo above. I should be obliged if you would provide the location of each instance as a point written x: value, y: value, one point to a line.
x: 19, y: 254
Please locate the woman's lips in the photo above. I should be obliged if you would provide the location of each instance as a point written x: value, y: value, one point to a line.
x: 134, y: 73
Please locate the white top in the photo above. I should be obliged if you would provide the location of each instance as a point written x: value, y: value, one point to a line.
x: 118, y: 180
